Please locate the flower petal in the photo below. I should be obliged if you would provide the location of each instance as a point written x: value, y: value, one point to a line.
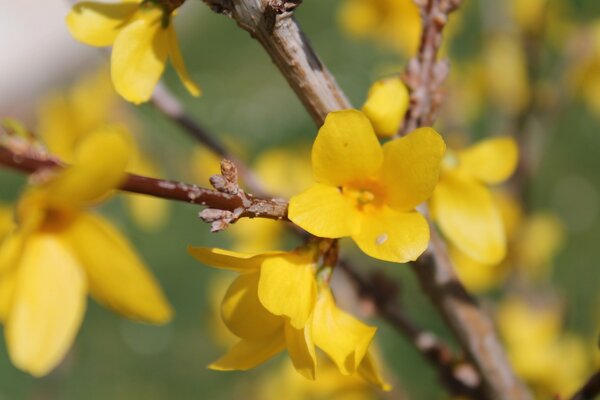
x: 392, y: 235
x: 139, y: 56
x: 177, y: 60
x: 99, y: 168
x: 117, y: 277
x: 287, y: 287
x: 342, y: 337
x: 491, y: 161
x: 323, y: 211
x: 411, y: 167
x: 48, y: 305
x: 231, y: 260
x: 248, y: 354
x: 465, y: 212
x: 243, y: 313
x: 7, y: 288
x: 386, y: 105
x: 98, y: 24
x: 369, y: 370
x: 346, y: 149
x: 301, y: 349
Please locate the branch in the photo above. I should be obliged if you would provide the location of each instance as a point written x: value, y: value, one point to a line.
x: 272, y: 24
x: 460, y: 378
x: 590, y: 390
x: 425, y: 74
x: 232, y: 201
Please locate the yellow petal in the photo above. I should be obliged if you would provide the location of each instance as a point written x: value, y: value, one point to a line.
x: 99, y: 168
x: 369, y: 370
x: 492, y: 160
x: 116, y: 275
x: 139, y: 56
x: 98, y: 24
x: 301, y: 349
x: 248, y: 354
x: 346, y: 149
x: 243, y: 313
x: 177, y: 60
x: 342, y: 337
x: 476, y: 276
x: 231, y: 260
x: 386, y: 105
x: 10, y: 251
x: 465, y: 212
x: 411, y: 167
x: 7, y: 288
x: 287, y: 287
x: 48, y: 305
x: 392, y: 235
x: 323, y: 211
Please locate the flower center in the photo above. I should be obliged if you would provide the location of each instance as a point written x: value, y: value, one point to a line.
x: 364, y: 195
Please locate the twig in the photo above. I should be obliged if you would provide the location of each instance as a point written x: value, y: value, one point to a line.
x: 425, y: 74
x: 590, y: 390
x: 272, y: 24
x: 233, y: 204
x: 168, y: 105
x: 459, y: 377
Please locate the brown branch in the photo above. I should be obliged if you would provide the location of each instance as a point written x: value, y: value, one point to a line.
x: 425, y: 74
x: 235, y: 202
x: 459, y: 377
x: 272, y: 24
x: 590, y: 390
x: 168, y: 105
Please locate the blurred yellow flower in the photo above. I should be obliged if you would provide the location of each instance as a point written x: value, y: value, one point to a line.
x: 60, y: 252
x: 367, y: 191
x: 65, y: 118
x: 552, y: 362
x: 274, y: 304
x: 462, y: 205
x: 386, y: 105
x: 142, y: 36
x: 396, y: 23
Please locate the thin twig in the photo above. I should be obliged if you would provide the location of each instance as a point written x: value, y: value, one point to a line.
x: 590, y: 390
x: 238, y: 203
x: 459, y: 377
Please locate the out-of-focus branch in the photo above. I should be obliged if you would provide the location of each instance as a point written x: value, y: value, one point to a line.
x: 226, y: 203
x: 271, y: 22
x: 425, y: 74
x: 459, y: 377
x: 590, y: 390
x: 168, y: 104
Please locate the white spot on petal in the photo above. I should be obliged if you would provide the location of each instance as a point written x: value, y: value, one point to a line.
x: 381, y: 239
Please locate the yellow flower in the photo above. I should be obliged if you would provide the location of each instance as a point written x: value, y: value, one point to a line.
x: 551, y: 361
x: 65, y: 118
x: 60, y: 252
x: 394, y: 22
x: 142, y: 36
x: 462, y: 205
x: 386, y: 105
x: 367, y: 191
x: 274, y: 305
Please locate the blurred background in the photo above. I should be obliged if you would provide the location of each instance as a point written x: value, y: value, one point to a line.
x: 528, y: 68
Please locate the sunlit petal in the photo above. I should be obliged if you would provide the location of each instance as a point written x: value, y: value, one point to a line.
x: 98, y: 24
x: 491, y: 161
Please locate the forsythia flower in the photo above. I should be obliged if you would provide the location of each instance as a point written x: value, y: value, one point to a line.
x: 386, y: 105
x: 462, y: 205
x: 275, y: 304
x: 60, y: 252
x: 66, y: 118
x: 395, y: 22
x: 142, y: 36
x: 552, y: 362
x: 367, y: 191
